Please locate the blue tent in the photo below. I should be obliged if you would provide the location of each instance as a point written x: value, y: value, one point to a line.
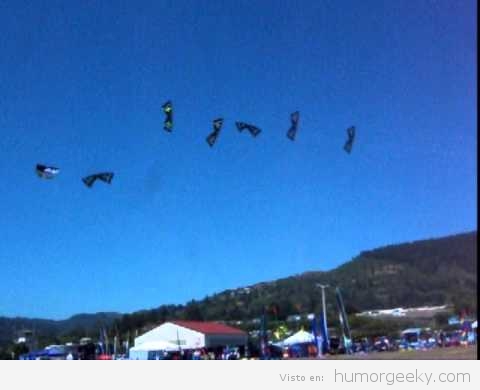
x: 56, y: 351
x: 34, y: 355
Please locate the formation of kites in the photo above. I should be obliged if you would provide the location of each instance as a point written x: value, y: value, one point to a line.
x: 49, y: 172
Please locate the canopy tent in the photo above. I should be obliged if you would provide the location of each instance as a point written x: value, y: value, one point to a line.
x: 157, y: 345
x: 34, y: 355
x: 56, y: 350
x: 141, y: 352
x: 300, y: 337
x: 412, y: 331
x: 50, y: 352
x: 186, y: 336
x: 191, y: 335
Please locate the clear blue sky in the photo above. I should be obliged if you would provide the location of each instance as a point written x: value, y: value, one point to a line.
x: 82, y: 84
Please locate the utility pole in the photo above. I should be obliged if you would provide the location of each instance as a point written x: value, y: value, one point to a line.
x: 324, y: 309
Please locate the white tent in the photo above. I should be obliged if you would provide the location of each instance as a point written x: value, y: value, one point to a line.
x: 298, y: 338
x: 140, y: 352
x: 158, y: 345
x: 194, y: 334
x: 185, y: 335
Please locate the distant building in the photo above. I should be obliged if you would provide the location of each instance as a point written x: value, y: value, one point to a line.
x: 26, y: 336
x: 424, y: 311
x: 85, y: 340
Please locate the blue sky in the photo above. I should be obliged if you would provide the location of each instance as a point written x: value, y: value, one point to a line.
x: 82, y: 87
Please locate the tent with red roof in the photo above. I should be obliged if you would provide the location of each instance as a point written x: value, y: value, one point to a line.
x: 190, y: 335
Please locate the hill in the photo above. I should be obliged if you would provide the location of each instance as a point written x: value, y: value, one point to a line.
x: 428, y: 272
x: 51, y: 331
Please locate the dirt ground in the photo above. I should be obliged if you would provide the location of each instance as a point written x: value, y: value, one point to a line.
x: 451, y: 353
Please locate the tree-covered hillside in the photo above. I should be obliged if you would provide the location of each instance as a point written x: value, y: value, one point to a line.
x: 429, y: 272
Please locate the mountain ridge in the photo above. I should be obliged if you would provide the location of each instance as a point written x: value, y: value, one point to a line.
x: 425, y: 272
x: 428, y: 272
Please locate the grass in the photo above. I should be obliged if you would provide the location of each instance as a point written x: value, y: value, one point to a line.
x: 451, y: 353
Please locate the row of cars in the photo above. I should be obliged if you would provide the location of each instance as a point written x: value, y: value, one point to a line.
x: 411, y: 341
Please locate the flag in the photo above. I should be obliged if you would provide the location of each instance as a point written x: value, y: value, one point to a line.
x: 343, y: 321
x: 106, y: 341
x: 264, y: 338
x: 115, y: 339
x: 317, y: 340
x: 324, y: 335
x: 101, y: 341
